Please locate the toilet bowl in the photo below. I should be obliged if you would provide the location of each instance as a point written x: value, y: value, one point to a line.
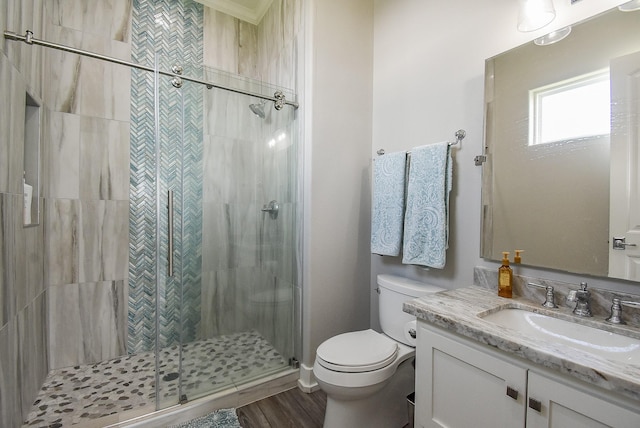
x: 367, y: 375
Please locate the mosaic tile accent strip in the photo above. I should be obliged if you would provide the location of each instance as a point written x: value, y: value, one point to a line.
x: 74, y: 395
x: 172, y: 30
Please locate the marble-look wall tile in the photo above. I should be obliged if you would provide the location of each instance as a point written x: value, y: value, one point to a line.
x: 106, y: 18
x: 63, y: 156
x: 21, y: 259
x: 232, y: 169
x: 34, y: 256
x: 215, y: 231
x: 32, y: 350
x: 103, y: 240
x: 104, y: 159
x: 4, y: 11
x: 103, y: 88
x: 217, y: 165
x: 248, y: 51
x: 62, y: 223
x: 227, y: 114
x: 243, y: 234
x: 22, y: 16
x: 7, y: 283
x: 87, y: 322
x: 247, y: 279
x: 5, y: 122
x: 279, y: 28
x: 17, y: 257
x: 21, y: 249
x: 32, y: 58
x: 10, y: 397
x: 212, y: 296
x: 271, y: 312
x: 63, y: 69
x: 220, y: 44
x: 85, y: 85
x: 225, y: 302
x: 13, y: 93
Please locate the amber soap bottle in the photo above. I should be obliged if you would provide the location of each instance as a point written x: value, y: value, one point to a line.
x: 505, y: 277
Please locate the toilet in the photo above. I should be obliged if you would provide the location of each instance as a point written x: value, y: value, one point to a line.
x: 367, y: 375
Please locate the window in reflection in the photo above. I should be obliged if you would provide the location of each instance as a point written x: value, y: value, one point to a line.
x: 572, y: 109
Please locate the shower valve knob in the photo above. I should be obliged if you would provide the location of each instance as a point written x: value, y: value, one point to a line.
x: 272, y: 209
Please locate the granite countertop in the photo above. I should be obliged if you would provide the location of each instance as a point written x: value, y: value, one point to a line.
x: 460, y: 311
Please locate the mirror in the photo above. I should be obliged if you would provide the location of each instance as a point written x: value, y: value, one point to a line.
x: 561, y: 143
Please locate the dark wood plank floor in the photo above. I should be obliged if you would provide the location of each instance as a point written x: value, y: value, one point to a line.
x: 292, y: 408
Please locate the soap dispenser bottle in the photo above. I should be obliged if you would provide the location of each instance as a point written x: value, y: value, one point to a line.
x: 505, y: 277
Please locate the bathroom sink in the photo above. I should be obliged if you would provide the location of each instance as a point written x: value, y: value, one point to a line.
x: 602, y: 343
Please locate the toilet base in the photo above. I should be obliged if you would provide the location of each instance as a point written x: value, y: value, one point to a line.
x: 386, y: 408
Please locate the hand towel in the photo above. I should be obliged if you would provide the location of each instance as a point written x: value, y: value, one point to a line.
x: 426, y: 222
x: 388, y: 203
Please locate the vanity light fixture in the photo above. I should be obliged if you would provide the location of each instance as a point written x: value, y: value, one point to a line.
x: 535, y: 14
x: 553, y: 37
x: 630, y: 6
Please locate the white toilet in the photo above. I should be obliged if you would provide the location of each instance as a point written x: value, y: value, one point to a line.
x: 367, y: 375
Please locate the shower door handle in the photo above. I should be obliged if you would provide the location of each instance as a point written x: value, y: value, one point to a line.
x: 170, y: 232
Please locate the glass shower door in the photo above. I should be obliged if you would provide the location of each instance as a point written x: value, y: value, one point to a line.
x: 228, y: 188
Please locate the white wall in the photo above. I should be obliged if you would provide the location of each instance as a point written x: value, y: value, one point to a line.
x: 338, y: 103
x: 428, y: 80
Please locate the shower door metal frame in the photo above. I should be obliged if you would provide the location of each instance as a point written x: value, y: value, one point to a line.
x: 278, y: 97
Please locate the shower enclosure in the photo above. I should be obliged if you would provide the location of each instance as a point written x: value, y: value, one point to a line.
x: 213, y: 247
x: 160, y: 261
x: 223, y: 202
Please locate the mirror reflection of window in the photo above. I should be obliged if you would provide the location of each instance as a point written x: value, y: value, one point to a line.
x: 571, y: 109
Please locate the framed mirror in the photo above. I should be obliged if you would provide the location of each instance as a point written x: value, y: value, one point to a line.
x: 562, y: 131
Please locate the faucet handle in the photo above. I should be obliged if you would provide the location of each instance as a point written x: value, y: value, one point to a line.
x: 550, y: 301
x: 616, y: 310
x: 572, y: 296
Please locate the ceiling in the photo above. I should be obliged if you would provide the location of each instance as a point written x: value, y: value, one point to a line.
x: 250, y: 11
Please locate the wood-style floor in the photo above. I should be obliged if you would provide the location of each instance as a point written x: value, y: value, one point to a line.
x: 292, y: 408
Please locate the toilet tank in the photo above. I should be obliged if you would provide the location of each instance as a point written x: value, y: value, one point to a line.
x: 394, y: 291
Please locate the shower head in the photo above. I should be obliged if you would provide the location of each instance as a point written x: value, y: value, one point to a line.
x: 258, y: 109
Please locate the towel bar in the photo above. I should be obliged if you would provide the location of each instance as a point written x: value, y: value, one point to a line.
x: 460, y: 134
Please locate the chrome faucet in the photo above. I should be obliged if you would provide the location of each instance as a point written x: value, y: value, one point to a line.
x: 616, y: 310
x: 582, y: 298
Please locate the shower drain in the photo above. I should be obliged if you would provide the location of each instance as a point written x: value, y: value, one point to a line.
x: 170, y: 376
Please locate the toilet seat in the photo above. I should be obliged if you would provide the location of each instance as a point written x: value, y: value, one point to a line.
x: 357, y: 352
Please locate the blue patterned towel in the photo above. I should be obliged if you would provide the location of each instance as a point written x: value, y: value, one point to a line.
x: 388, y: 204
x: 426, y: 221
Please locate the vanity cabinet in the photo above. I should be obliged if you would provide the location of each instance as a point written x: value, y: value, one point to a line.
x: 461, y: 383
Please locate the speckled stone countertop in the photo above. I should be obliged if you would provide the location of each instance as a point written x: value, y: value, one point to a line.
x: 461, y: 310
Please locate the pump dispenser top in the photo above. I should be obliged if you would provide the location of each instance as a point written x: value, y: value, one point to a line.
x: 517, y: 259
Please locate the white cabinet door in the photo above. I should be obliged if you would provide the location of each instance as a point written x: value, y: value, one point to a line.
x: 460, y: 386
x: 564, y: 406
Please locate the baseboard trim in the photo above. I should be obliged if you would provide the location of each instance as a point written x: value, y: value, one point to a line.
x: 307, y: 381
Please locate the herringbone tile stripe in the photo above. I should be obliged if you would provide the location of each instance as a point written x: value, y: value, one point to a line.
x: 172, y: 30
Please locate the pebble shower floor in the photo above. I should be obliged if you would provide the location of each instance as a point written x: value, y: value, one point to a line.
x: 74, y: 395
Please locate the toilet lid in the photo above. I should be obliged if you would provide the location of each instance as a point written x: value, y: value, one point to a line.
x: 358, y: 351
